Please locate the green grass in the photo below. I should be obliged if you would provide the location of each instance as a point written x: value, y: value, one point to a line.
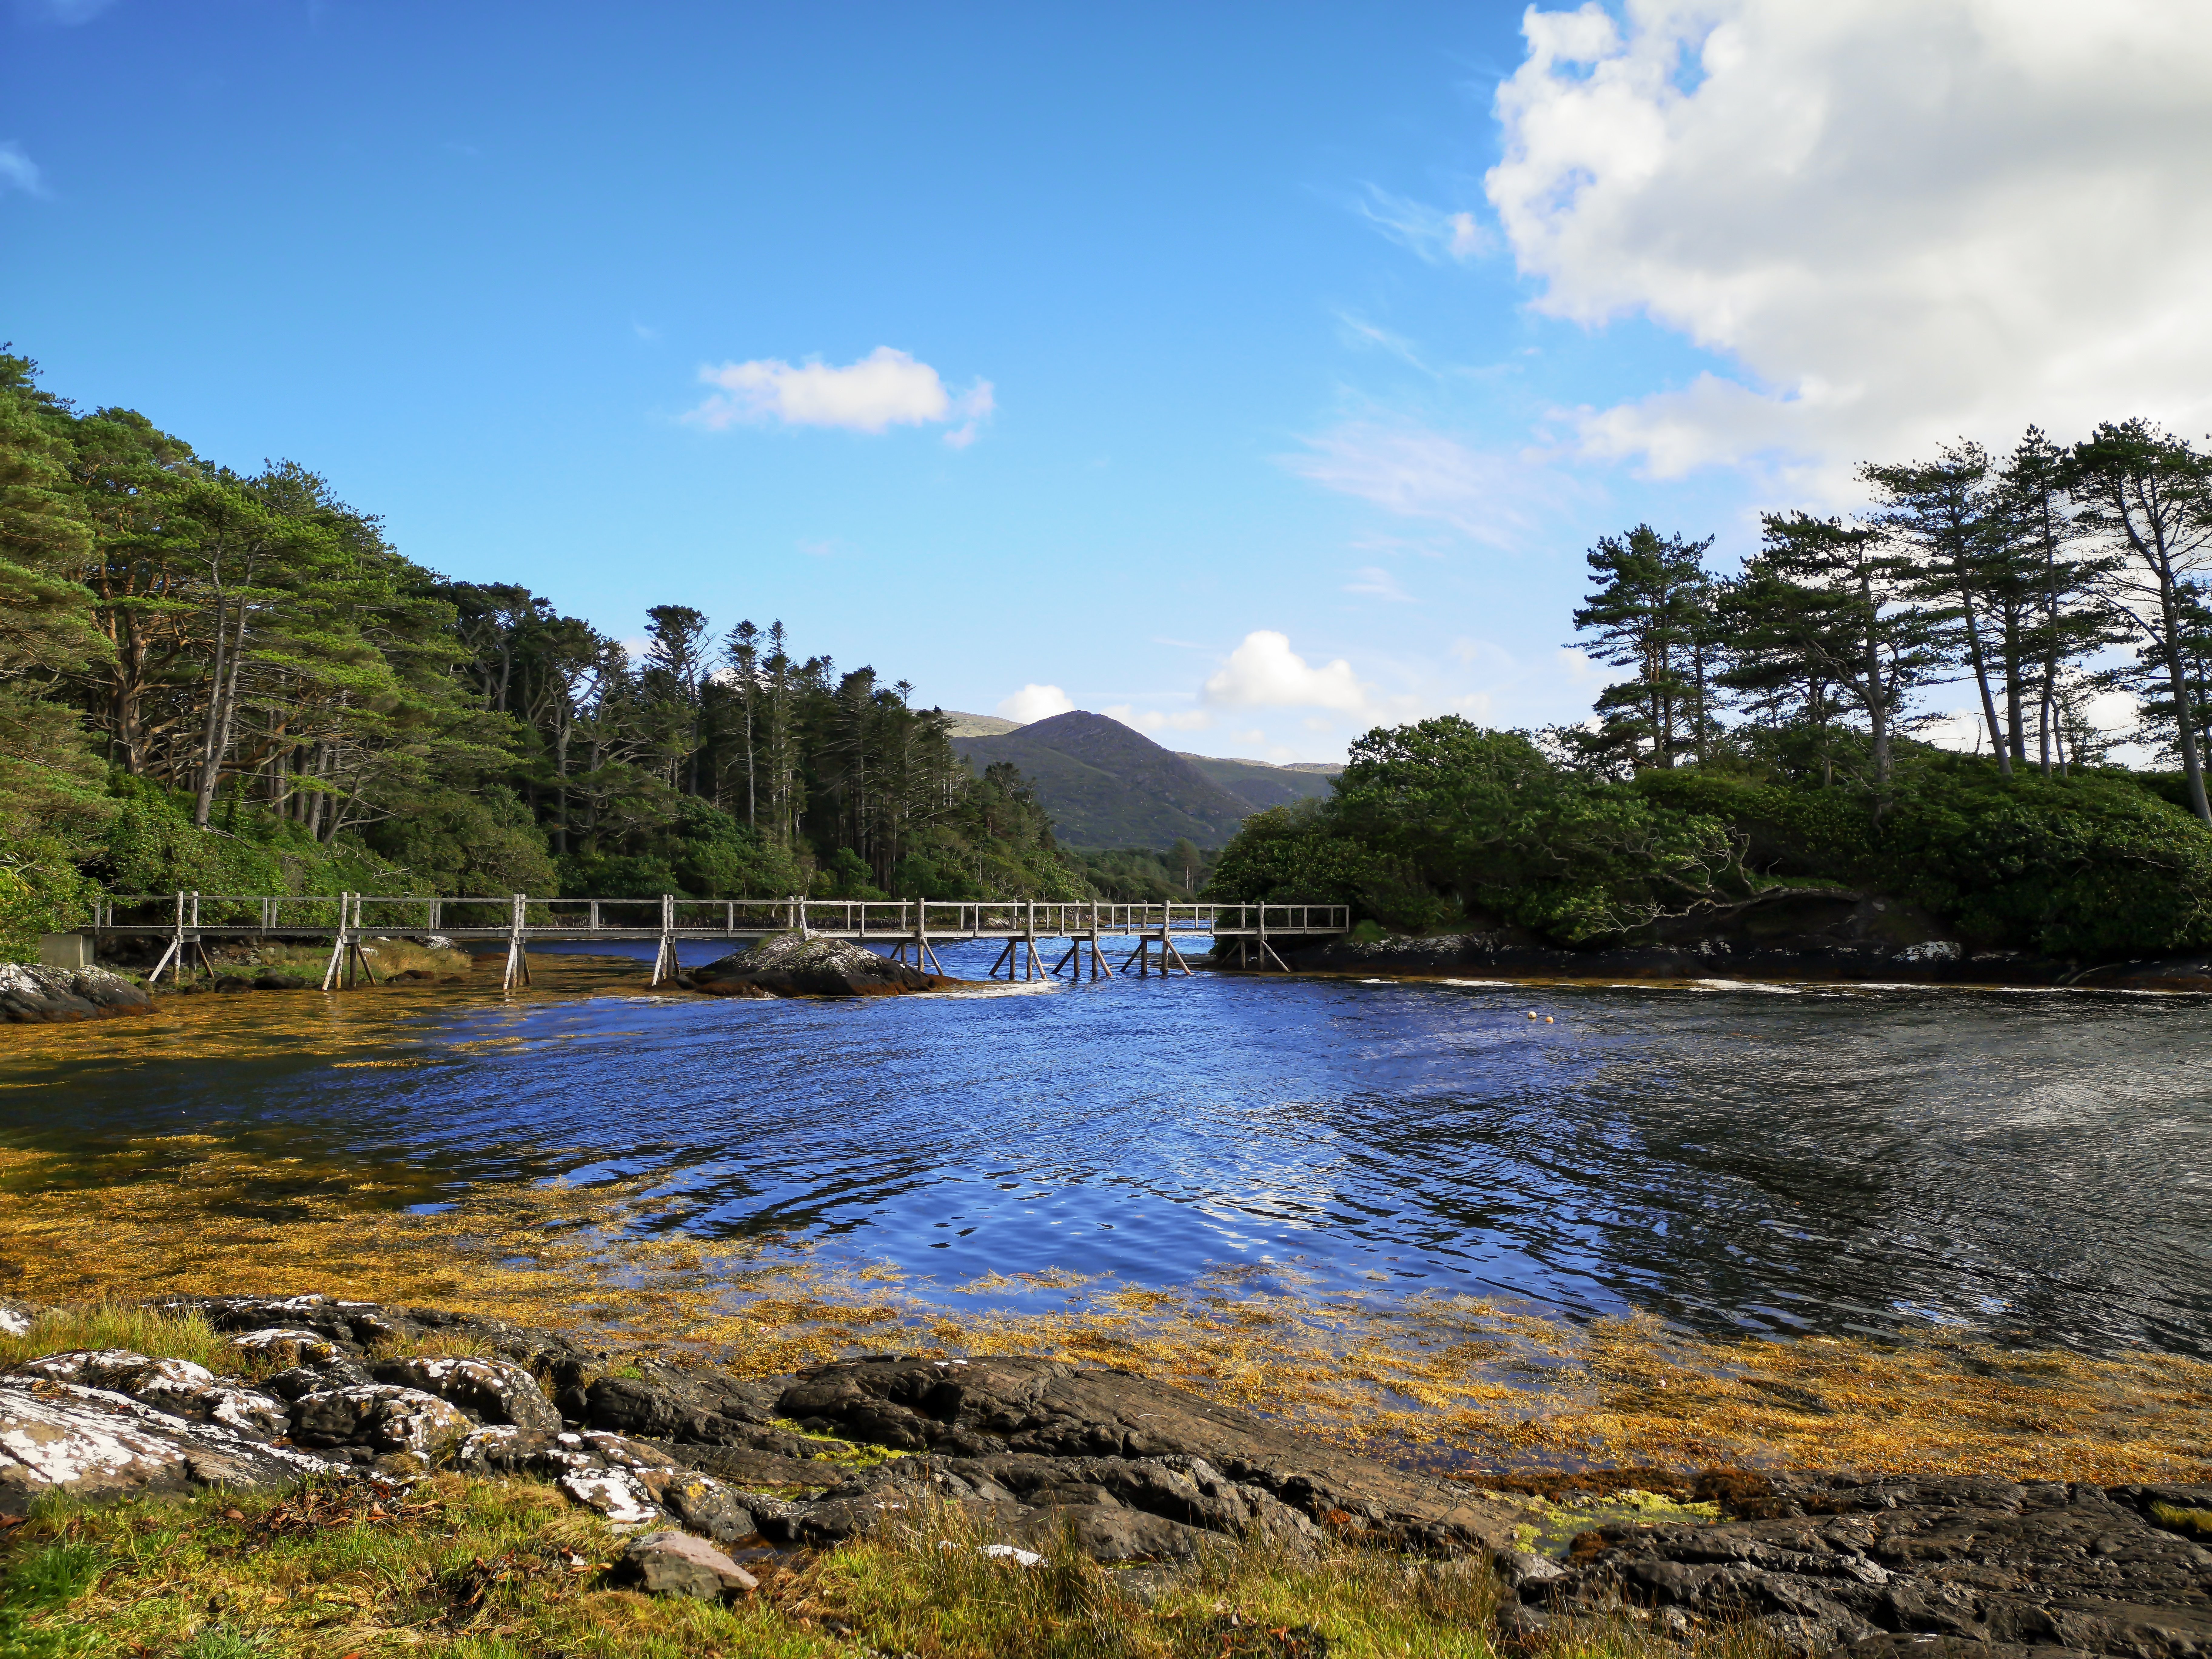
x: 115, y: 1325
x: 460, y: 1569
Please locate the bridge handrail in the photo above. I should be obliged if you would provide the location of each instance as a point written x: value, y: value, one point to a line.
x: 888, y: 917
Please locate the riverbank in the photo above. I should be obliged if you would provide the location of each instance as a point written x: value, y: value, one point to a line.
x: 1818, y: 959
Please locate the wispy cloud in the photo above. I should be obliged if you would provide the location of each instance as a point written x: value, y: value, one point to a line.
x: 1431, y: 234
x: 1488, y: 496
x: 1375, y: 581
x: 19, y: 172
x: 886, y: 388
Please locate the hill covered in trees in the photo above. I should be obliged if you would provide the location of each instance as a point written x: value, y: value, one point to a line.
x: 1761, y: 741
x: 1107, y: 785
x: 234, y: 683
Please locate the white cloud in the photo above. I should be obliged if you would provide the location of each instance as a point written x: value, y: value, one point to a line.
x: 886, y: 388
x: 1404, y: 467
x: 1153, y: 720
x: 1036, y: 702
x: 1431, y: 233
x: 1373, y: 578
x: 1264, y: 672
x: 19, y: 172
x: 1902, y: 220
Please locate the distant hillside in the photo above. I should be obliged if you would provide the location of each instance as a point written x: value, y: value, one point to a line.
x: 1262, y: 784
x: 977, y: 726
x: 1108, y: 786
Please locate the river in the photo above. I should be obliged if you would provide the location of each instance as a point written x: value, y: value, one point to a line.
x: 1736, y: 1159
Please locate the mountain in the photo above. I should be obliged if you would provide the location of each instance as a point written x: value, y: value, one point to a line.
x: 976, y: 725
x: 1108, y: 786
x: 1262, y: 783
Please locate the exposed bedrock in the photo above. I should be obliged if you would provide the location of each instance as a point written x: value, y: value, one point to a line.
x: 1029, y: 1450
x: 803, y: 965
x: 1879, y: 1565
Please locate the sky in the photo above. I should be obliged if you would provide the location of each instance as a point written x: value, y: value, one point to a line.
x: 1255, y: 374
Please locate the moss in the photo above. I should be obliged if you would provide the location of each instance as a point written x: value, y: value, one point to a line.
x: 843, y: 1452
x: 2182, y: 1520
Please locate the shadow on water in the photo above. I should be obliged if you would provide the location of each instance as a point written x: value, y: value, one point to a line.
x: 1734, y: 1158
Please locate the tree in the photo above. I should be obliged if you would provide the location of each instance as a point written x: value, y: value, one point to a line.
x: 2147, y: 496
x: 1651, y: 609
x: 1838, y: 607
x: 2064, y: 624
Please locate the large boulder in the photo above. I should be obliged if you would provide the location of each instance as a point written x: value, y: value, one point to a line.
x: 99, y: 1445
x: 487, y: 1390
x: 33, y: 995
x: 810, y: 965
x: 177, y: 1387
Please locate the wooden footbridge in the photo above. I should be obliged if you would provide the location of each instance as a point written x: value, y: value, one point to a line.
x: 350, y: 921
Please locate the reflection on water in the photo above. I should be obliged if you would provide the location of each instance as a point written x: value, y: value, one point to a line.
x: 1728, y: 1157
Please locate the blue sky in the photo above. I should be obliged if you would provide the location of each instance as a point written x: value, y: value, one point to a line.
x: 1230, y: 394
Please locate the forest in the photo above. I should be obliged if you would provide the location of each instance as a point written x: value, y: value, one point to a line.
x: 235, y: 684
x: 1768, y: 726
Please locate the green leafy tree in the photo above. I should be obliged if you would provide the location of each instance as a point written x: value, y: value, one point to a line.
x: 1650, y: 609
x: 2147, y: 495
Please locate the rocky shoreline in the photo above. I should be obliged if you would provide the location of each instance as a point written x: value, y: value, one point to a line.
x: 1031, y: 1452
x: 1816, y: 935
x: 38, y: 996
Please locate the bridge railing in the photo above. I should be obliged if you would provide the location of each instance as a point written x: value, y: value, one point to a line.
x: 498, y: 915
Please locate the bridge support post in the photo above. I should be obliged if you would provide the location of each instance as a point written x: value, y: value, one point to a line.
x: 518, y: 958
x: 664, y: 959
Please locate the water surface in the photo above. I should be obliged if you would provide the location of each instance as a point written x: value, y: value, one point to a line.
x: 2032, y: 1165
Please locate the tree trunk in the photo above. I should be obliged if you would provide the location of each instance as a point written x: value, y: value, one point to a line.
x: 1998, y: 741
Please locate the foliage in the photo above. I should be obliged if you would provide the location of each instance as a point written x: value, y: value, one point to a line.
x: 286, y: 704
x: 153, y: 847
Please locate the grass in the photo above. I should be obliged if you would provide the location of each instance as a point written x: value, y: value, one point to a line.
x: 108, y: 1324
x: 462, y: 1569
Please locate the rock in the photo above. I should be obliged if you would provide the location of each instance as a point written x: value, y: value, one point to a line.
x: 35, y: 995
x: 176, y: 1387
x: 15, y: 1316
x: 296, y: 1350
x: 283, y: 982
x: 98, y: 1446
x: 1870, y: 1566
x: 666, y: 1402
x: 676, y: 1563
x: 380, y: 1419
x: 1047, y: 1408
x: 809, y: 965
x: 616, y: 1493
x: 705, y: 1505
x: 357, y: 1326
x: 486, y: 1390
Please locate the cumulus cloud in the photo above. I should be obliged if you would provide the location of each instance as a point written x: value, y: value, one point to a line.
x: 1410, y: 469
x: 1264, y: 672
x: 19, y: 172
x: 1036, y: 702
x: 1900, y: 220
x: 886, y: 388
